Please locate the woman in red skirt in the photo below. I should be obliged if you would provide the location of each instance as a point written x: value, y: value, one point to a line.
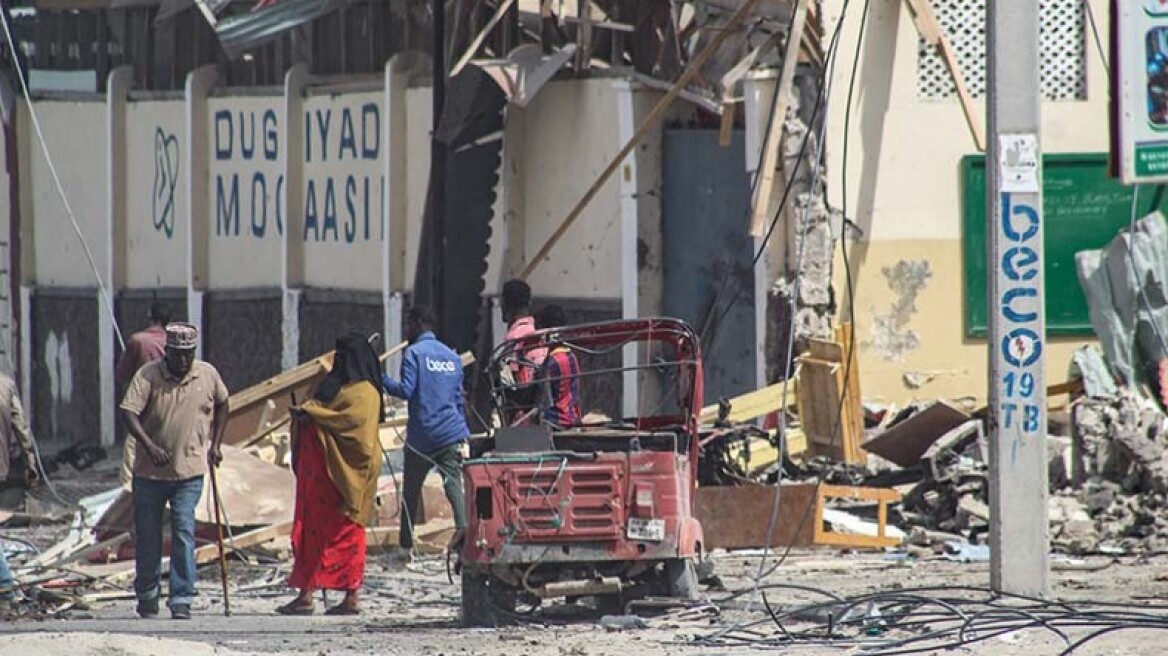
x: 337, y: 459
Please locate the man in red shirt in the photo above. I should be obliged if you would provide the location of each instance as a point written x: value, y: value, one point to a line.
x: 560, y: 374
x: 143, y: 347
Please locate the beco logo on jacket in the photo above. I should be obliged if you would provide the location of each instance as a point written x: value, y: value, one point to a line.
x: 440, y: 366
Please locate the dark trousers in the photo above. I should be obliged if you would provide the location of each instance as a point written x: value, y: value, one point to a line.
x: 448, y: 460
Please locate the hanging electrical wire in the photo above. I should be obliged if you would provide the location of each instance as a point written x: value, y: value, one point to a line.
x: 102, y: 289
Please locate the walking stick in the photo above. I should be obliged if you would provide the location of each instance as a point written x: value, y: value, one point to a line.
x: 219, y: 539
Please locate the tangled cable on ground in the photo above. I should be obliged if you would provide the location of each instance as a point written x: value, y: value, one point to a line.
x: 929, y: 619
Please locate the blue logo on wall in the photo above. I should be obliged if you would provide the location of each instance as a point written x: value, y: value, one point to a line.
x: 165, y: 180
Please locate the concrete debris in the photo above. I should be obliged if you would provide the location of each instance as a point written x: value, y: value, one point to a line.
x: 1088, y: 364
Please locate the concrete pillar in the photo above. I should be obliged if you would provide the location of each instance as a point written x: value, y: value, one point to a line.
x: 630, y: 356
x: 511, y: 222
x: 396, y: 188
x: 393, y: 212
x: 394, y: 315
x: 292, y: 253
x: 121, y: 80
x: 1019, y: 530
x: 198, y: 86
x: 27, y: 266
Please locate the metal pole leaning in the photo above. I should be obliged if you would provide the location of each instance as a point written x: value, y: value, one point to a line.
x: 218, y: 502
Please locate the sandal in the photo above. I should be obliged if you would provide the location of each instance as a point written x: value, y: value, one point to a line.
x: 294, y: 608
x: 342, y: 609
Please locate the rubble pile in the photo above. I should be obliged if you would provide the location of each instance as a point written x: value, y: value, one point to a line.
x: 1108, y: 481
x: 1118, y: 490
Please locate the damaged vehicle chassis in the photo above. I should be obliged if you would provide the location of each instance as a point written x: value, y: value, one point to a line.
x: 604, y: 509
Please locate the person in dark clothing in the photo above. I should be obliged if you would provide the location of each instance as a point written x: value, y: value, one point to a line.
x: 436, y: 432
x: 516, y: 308
x: 560, y: 375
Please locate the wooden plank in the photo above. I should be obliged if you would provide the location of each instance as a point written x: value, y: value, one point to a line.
x: 748, y: 406
x: 650, y: 120
x: 737, y: 517
x: 245, y: 408
x: 931, y: 31
x: 726, y: 129
x: 210, y: 552
x: 907, y: 441
x: 112, y: 544
x: 429, y: 538
x: 822, y: 349
x: 854, y: 404
x: 770, y: 157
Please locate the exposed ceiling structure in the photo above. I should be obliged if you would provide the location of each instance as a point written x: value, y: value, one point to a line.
x: 522, y: 44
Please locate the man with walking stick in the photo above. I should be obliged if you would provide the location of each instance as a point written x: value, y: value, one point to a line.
x: 176, y: 410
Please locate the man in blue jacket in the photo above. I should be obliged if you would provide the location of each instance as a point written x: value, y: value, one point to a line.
x: 431, y: 382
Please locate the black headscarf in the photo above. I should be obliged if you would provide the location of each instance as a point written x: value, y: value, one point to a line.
x: 355, y: 360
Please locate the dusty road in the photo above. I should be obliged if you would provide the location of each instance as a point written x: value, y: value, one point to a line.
x: 414, y: 611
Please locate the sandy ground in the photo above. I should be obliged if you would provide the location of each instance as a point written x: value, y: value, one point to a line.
x: 415, y: 611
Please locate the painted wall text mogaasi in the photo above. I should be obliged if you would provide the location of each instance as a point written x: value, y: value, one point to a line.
x: 344, y: 183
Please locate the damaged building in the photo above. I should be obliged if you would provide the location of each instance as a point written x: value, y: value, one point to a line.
x: 803, y: 182
x: 271, y: 179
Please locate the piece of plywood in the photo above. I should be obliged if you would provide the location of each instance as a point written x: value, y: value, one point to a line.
x: 253, y: 492
x: 737, y: 517
x: 269, y: 399
x: 905, y: 442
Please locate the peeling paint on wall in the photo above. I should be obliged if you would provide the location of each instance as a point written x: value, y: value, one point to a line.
x: 892, y: 336
x: 59, y: 364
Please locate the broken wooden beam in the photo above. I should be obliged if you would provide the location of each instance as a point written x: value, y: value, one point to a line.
x: 934, y: 34
x: 748, y: 406
x: 252, y: 410
x: 209, y: 553
x: 778, y: 120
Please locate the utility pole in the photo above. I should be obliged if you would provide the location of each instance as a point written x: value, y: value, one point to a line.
x: 1019, y: 532
x: 438, y: 167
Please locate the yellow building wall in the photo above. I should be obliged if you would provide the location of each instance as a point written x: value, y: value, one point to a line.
x: 904, y: 192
